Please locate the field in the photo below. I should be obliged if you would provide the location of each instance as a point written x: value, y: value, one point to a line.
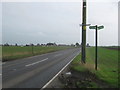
x: 16, y: 52
x: 107, y: 64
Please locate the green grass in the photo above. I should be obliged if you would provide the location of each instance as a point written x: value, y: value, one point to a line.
x: 16, y: 52
x: 0, y: 52
x: 76, y: 64
x: 107, y: 64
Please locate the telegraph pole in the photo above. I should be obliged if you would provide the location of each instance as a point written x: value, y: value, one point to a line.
x: 84, y: 32
x: 32, y: 49
x: 96, y: 49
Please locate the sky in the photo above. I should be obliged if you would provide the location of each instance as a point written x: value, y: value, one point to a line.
x: 43, y: 22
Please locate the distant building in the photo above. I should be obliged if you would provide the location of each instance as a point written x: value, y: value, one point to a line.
x: 51, y: 44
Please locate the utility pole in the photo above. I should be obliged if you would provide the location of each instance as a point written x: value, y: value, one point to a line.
x: 96, y: 49
x: 83, y: 58
x: 32, y: 49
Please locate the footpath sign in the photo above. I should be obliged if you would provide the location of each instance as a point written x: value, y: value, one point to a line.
x: 96, y: 29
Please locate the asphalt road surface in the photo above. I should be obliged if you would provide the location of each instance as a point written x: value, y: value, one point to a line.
x: 36, y: 71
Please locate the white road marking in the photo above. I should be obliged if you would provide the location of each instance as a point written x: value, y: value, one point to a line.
x: 36, y: 62
x: 2, y: 63
x: 58, y: 73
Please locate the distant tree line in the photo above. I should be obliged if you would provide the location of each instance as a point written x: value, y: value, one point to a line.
x: 47, y: 44
x: 31, y: 44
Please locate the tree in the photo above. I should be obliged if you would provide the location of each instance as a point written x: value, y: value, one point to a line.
x: 51, y: 44
x: 77, y: 44
x: 31, y: 44
x: 26, y: 45
x: 72, y: 45
x: 6, y: 44
x: 88, y: 45
x: 38, y: 44
x: 16, y: 44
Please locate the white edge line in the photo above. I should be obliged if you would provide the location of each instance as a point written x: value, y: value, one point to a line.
x: 57, y: 74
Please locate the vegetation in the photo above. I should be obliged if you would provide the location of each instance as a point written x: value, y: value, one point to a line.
x: 0, y: 53
x: 107, y: 64
x: 15, y: 52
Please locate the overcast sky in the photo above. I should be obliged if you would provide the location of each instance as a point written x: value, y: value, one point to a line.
x: 43, y: 22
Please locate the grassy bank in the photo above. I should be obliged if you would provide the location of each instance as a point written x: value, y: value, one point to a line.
x: 16, y: 52
x: 0, y: 53
x: 107, y: 64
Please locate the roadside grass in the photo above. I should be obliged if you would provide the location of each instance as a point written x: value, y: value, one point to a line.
x: 0, y: 53
x: 17, y: 52
x: 107, y: 64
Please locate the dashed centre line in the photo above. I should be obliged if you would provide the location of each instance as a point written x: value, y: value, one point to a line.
x: 2, y: 63
x: 36, y: 62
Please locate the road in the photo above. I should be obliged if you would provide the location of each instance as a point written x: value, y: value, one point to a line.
x: 36, y: 71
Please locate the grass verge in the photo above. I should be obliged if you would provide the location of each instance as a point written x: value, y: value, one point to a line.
x: 107, y: 65
x: 17, y: 52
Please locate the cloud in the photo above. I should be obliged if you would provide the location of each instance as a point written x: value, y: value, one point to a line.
x: 57, y: 22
